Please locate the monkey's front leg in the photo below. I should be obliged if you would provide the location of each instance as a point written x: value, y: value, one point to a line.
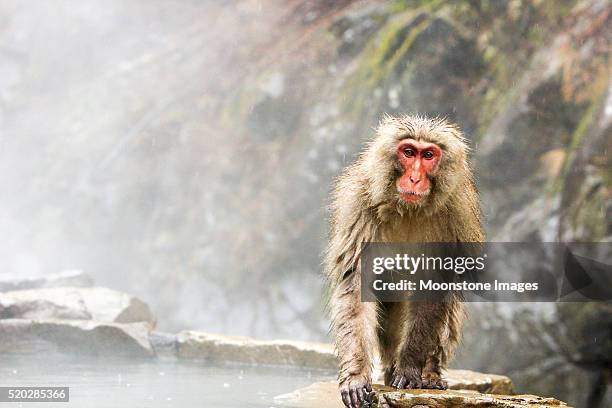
x: 354, y: 324
x: 418, y: 364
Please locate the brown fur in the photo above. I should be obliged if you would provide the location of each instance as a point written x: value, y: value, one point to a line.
x: 413, y: 339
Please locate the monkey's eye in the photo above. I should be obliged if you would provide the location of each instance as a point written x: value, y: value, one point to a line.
x: 408, y: 152
x: 428, y: 154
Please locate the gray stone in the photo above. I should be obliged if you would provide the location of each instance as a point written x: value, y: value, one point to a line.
x: 164, y: 344
x: 326, y: 395
x: 73, y: 278
x: 20, y: 336
x: 481, y: 382
x: 219, y: 349
x: 457, y: 380
x: 99, y: 304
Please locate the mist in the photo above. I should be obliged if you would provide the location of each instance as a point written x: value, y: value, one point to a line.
x: 115, y: 161
x: 184, y: 152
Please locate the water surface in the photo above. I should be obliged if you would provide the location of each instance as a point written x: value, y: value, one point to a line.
x: 97, y: 382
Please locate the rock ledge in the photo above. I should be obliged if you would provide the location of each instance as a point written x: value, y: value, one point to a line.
x: 86, y: 337
x: 325, y: 395
x: 216, y: 348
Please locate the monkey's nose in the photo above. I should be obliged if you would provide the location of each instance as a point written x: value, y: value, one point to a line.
x: 412, y: 179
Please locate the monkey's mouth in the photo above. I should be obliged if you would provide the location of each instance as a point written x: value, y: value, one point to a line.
x: 413, y: 197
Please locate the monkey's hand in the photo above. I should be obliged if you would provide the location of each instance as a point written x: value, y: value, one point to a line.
x: 407, y: 377
x: 357, y: 392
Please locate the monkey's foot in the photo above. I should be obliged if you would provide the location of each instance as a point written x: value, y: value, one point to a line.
x: 434, y: 381
x: 408, y: 378
x: 357, y: 393
x: 371, y: 399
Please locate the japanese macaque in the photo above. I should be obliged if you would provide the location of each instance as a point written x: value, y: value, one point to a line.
x: 413, y: 183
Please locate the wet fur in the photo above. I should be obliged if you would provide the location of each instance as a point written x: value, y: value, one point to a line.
x: 417, y: 337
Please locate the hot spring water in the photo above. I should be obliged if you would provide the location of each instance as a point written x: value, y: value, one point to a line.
x: 100, y: 382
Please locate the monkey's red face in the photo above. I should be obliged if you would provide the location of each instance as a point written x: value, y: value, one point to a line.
x: 418, y: 160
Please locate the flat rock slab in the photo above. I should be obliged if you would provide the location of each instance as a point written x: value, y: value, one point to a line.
x: 475, y: 381
x: 19, y: 336
x: 73, y: 278
x: 459, y: 398
x: 325, y: 395
x: 457, y: 380
x: 216, y: 348
x: 99, y: 304
x: 164, y: 344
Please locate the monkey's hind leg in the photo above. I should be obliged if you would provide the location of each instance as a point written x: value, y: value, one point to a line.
x: 436, y: 361
x: 393, y: 326
x: 431, y: 376
x: 423, y: 342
